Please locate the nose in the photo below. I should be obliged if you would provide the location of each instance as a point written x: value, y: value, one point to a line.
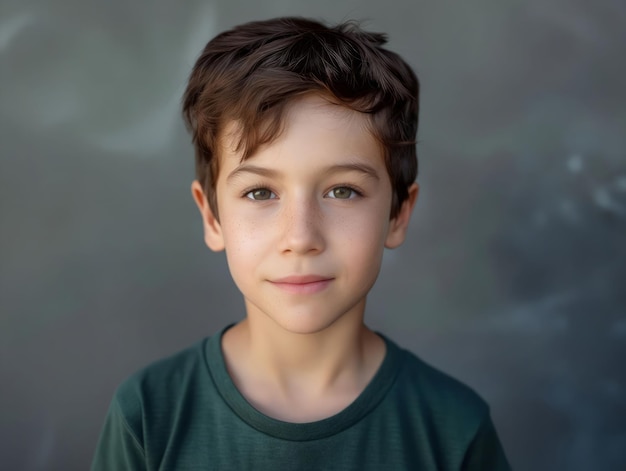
x: 302, y: 227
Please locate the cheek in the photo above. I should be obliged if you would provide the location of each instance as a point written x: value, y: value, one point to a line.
x: 242, y: 237
x: 248, y: 242
x: 361, y: 260
x: 367, y: 224
x: 362, y: 237
x: 242, y: 255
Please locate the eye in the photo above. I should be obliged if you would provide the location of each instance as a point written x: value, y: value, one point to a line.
x: 260, y: 194
x: 342, y: 193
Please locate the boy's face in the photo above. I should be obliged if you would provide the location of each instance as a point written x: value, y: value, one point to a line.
x: 304, y: 220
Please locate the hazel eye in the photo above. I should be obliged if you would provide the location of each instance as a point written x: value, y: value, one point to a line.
x: 260, y: 194
x: 342, y: 193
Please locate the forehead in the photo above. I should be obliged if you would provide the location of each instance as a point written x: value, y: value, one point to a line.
x: 311, y: 123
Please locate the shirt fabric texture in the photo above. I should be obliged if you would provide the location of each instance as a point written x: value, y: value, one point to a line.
x: 185, y: 413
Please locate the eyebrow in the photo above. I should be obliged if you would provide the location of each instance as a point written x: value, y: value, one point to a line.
x: 338, y: 168
x: 355, y: 167
x: 253, y: 169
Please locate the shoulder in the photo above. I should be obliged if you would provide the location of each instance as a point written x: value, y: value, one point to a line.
x: 174, y: 366
x: 157, y: 387
x: 147, y: 409
x: 442, y: 398
x: 166, y: 373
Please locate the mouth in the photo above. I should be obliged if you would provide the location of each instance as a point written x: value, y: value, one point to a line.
x: 302, y: 284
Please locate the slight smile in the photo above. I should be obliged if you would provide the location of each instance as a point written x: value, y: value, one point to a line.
x: 302, y: 284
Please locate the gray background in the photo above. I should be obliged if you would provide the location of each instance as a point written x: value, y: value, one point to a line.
x: 512, y: 278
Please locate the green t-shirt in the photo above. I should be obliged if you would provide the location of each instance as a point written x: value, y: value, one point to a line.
x: 185, y: 413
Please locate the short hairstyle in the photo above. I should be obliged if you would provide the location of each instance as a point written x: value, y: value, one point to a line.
x: 252, y: 72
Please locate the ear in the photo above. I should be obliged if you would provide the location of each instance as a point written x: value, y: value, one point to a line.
x: 399, y: 224
x: 212, y: 229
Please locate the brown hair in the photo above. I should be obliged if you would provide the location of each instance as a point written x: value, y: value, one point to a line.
x: 253, y: 71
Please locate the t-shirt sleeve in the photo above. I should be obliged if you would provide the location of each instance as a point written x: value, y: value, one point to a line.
x: 485, y: 452
x: 118, y: 448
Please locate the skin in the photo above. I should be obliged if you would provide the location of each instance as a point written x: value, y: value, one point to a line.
x: 304, y: 223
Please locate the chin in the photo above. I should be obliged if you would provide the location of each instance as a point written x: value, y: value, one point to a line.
x: 305, y: 325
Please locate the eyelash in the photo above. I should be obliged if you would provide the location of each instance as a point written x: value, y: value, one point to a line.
x: 257, y: 187
x: 356, y: 191
x: 247, y: 192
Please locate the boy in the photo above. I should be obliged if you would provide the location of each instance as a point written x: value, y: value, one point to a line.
x: 305, y: 162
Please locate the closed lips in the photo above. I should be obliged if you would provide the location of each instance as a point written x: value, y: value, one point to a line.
x: 301, y: 279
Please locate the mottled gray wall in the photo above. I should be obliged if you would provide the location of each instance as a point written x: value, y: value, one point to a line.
x: 512, y: 278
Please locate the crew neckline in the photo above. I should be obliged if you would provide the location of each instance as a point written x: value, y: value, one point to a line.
x: 369, y: 398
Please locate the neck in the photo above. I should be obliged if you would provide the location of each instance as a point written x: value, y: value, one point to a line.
x: 301, y: 377
x: 315, y: 362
